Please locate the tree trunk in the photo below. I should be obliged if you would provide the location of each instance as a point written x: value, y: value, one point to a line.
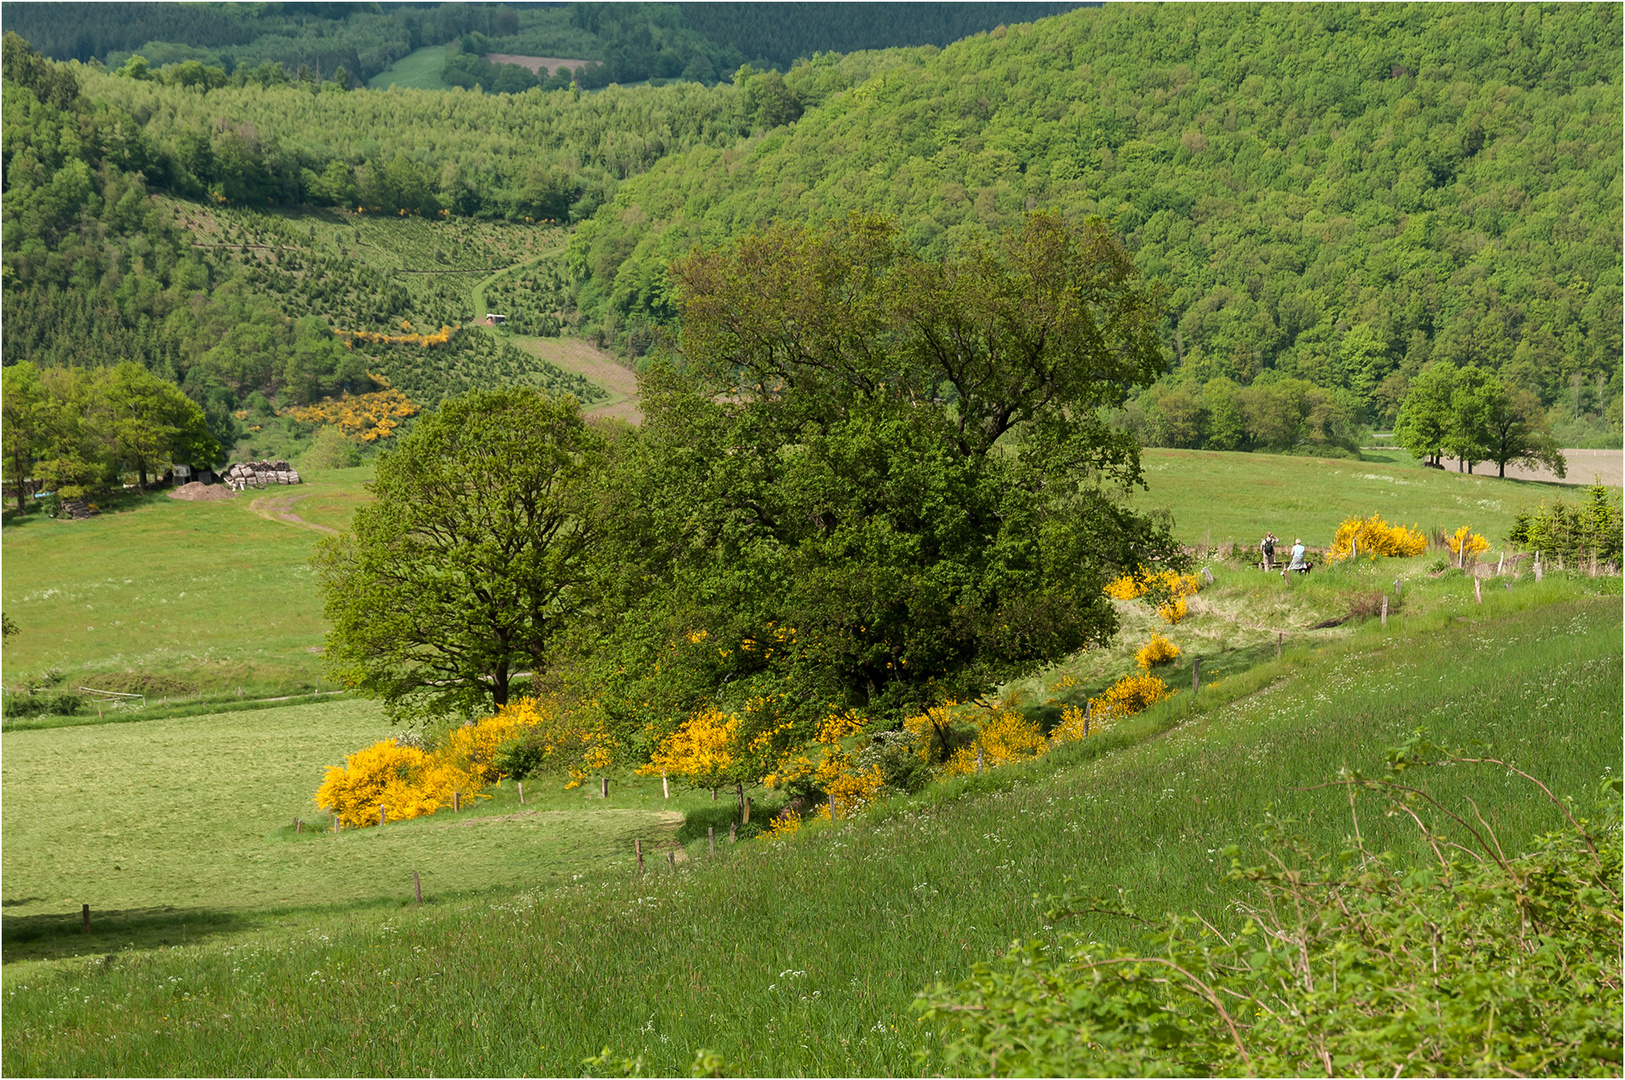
x: 499, y: 685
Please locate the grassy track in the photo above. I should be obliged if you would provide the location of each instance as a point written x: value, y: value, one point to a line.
x: 178, y: 597
x: 1229, y: 497
x: 803, y: 956
x: 418, y: 70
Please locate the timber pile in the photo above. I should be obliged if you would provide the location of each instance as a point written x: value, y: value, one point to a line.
x: 77, y: 509
x: 259, y: 474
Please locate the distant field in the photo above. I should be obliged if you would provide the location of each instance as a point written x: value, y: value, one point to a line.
x: 175, y: 597
x: 1228, y: 497
x: 534, y: 63
x: 418, y: 70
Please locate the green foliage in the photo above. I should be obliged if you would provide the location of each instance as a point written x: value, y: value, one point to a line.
x: 1594, y: 529
x: 470, y: 562
x: 33, y: 703
x: 1475, y: 416
x: 331, y: 449
x: 1335, y: 194
x: 878, y: 482
x: 1353, y: 961
x: 77, y: 428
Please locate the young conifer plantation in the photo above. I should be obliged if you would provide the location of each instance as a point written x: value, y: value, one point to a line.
x: 660, y: 539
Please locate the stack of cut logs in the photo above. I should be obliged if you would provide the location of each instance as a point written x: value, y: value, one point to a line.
x: 77, y: 509
x: 258, y: 474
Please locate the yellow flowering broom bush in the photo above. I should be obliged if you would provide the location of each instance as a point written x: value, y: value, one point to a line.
x: 1465, y: 543
x: 1373, y: 537
x: 1165, y: 590
x: 1129, y: 695
x: 1156, y: 652
x: 406, y: 781
x: 410, y: 782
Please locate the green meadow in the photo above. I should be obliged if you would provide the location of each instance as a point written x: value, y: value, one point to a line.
x: 236, y: 945
x: 1219, y: 497
x: 175, y: 599
x: 419, y: 69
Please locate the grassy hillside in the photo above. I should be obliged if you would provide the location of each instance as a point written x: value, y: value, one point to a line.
x: 804, y: 956
x: 100, y: 602
x: 1220, y: 498
x: 174, y: 598
x: 96, y: 816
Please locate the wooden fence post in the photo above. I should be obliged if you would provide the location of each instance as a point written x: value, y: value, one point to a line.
x: 1196, y: 675
x: 1478, y: 588
x: 603, y: 786
x: 417, y: 887
x: 637, y: 846
x: 746, y: 819
x: 380, y: 815
x: 733, y: 833
x: 711, y: 838
x: 298, y: 826
x: 978, y: 757
x: 85, y: 911
x: 671, y: 859
x: 1280, y: 638
x: 1385, y: 609
x: 1088, y: 709
x: 521, y: 793
x: 456, y: 801
x: 713, y: 794
x: 665, y: 785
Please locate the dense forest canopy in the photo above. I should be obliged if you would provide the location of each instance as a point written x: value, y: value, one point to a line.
x: 1337, y: 194
x: 1332, y: 198
x: 630, y: 42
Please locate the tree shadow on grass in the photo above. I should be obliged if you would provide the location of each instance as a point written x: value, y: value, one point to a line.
x: 54, y: 936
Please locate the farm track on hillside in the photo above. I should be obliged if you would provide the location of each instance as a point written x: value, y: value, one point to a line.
x: 280, y: 508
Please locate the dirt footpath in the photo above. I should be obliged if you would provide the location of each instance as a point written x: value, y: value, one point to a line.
x: 280, y: 508
x: 1584, y: 465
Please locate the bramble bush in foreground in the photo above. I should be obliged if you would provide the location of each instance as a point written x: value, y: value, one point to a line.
x: 1474, y: 963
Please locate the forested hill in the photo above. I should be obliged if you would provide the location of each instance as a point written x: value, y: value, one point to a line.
x: 1334, y: 192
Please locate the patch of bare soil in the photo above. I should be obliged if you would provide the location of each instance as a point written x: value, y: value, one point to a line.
x: 1583, y: 465
x: 196, y: 492
x: 535, y: 63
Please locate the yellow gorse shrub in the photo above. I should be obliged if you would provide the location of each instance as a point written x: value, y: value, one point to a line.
x: 1005, y: 735
x: 785, y: 823
x: 410, y: 782
x: 439, y: 337
x: 703, y: 749
x: 1159, y: 650
x: 367, y: 417
x: 406, y: 781
x: 1166, y: 590
x: 1465, y: 538
x: 1129, y: 695
x: 1372, y: 536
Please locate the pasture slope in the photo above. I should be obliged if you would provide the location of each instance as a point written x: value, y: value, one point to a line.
x: 535, y: 950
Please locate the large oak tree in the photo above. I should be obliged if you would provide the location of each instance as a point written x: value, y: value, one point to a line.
x: 878, y: 482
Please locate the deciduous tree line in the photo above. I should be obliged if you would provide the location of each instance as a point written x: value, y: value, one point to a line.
x: 1475, y: 415
x: 874, y: 483
x: 76, y: 429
